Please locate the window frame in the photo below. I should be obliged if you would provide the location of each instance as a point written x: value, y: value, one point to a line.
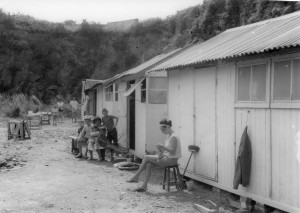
x: 253, y: 104
x: 284, y: 103
x: 116, y: 92
x: 149, y: 89
x: 109, y: 93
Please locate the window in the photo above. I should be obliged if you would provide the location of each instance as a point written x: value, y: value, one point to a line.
x: 116, y: 92
x: 143, y: 91
x: 252, y: 83
x: 109, y: 93
x: 286, y: 80
x: 158, y: 90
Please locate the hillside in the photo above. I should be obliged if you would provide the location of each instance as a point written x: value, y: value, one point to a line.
x: 47, y: 59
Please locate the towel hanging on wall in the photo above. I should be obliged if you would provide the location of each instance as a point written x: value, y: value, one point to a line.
x: 243, y: 162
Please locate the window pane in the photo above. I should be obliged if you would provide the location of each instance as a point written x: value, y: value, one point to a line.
x: 143, y: 84
x: 244, y: 83
x: 296, y: 79
x: 143, y: 95
x: 116, y: 96
x: 116, y: 87
x: 282, y: 80
x: 157, y: 96
x: 258, y: 83
x: 158, y: 83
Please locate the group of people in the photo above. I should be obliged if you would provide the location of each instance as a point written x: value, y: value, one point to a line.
x: 58, y: 110
x: 98, y: 134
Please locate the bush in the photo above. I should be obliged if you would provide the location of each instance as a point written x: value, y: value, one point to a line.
x: 19, y: 104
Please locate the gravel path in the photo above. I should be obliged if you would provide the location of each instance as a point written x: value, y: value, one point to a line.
x: 54, y: 181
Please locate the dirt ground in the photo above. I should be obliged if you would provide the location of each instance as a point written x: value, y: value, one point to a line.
x: 51, y: 179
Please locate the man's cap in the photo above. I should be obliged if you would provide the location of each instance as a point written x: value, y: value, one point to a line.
x: 104, y: 109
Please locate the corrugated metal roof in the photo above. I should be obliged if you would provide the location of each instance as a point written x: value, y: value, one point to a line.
x: 281, y: 32
x: 90, y: 83
x: 142, y: 67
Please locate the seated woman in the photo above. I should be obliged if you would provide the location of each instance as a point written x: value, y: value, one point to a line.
x: 168, y: 155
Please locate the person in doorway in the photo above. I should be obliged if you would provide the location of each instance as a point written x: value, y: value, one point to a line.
x: 111, y: 122
x: 74, y: 107
x: 84, y: 136
x: 170, y: 153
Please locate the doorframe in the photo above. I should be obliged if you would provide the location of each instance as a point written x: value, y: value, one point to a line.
x: 129, y: 118
x: 216, y: 120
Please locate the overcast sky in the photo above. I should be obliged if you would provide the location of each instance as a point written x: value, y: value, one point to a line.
x: 100, y: 11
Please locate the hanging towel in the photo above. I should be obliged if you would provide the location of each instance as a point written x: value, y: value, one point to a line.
x: 243, y: 162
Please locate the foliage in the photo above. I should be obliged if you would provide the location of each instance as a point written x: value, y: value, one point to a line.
x: 48, y: 59
x: 19, y: 104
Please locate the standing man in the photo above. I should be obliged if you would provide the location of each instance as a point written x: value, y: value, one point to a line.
x: 60, y: 106
x: 74, y: 105
x: 112, y: 134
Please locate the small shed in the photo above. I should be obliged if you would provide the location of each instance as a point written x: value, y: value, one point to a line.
x: 89, y: 105
x: 245, y: 76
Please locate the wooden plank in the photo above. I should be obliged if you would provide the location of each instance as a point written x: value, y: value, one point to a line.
x: 266, y: 201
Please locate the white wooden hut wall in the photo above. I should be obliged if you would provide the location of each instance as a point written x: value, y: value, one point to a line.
x: 115, y: 106
x: 120, y: 110
x: 140, y: 124
x: 274, y: 133
x: 100, y: 100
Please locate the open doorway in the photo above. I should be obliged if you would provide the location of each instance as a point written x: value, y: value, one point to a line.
x: 131, y: 114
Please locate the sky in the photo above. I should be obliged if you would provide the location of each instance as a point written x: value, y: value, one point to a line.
x: 99, y: 11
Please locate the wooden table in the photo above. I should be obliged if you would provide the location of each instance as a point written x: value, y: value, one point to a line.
x: 46, y: 117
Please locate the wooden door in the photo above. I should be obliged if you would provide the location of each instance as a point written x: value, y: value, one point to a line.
x: 205, y: 122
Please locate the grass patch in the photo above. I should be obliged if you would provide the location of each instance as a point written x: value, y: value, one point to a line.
x: 16, y: 105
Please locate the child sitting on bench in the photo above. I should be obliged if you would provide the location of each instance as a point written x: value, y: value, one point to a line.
x: 92, y: 142
x: 75, y: 149
x: 84, y: 136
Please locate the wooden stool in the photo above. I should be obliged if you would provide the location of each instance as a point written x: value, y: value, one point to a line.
x: 18, y: 129
x: 177, y: 179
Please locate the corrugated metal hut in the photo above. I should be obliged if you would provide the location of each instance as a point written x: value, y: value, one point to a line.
x: 245, y: 76
x: 88, y: 89
x: 140, y: 103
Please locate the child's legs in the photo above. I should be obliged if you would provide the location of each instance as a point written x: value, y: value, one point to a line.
x: 102, y: 153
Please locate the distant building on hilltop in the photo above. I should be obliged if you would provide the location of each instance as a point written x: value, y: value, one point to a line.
x: 122, y: 26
